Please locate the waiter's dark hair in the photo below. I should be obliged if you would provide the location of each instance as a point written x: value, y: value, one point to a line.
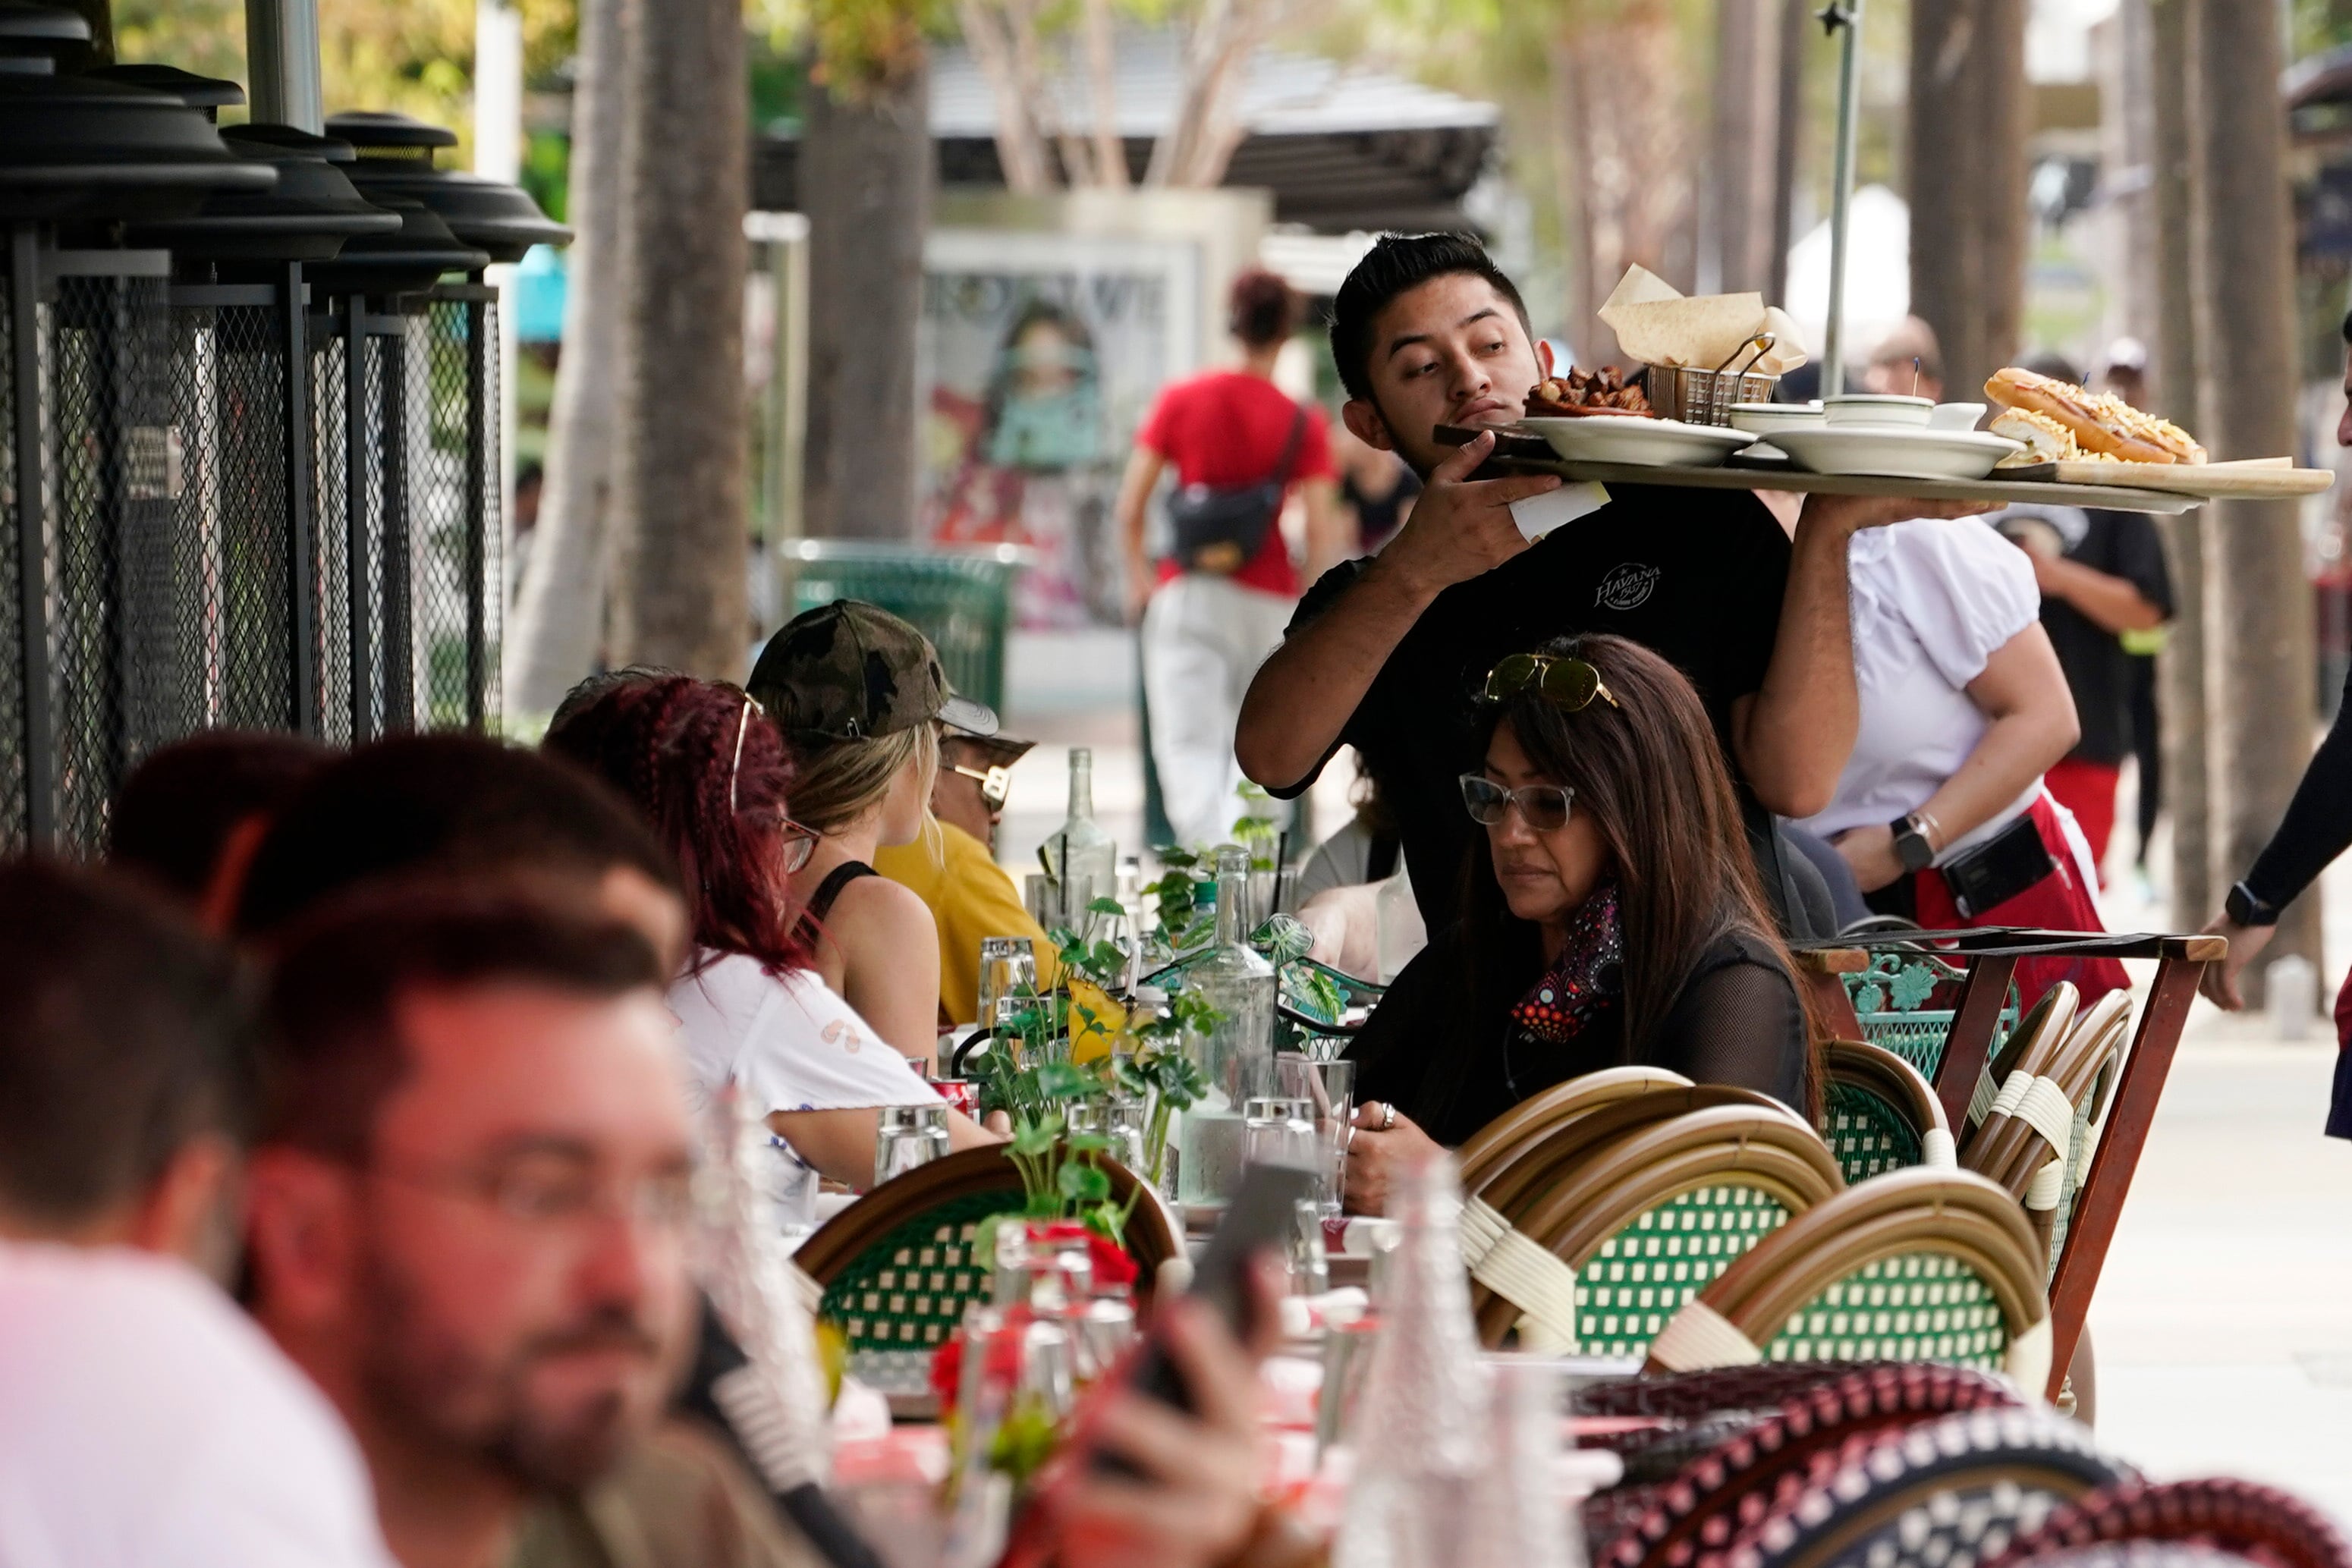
x: 173, y: 815
x: 1399, y: 263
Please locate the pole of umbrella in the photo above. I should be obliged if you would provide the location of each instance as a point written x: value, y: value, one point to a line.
x: 281, y: 45
x: 1843, y: 18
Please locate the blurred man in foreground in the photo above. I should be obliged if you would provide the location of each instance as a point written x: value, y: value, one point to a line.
x: 143, y: 1419
x: 471, y: 1206
x: 190, y: 816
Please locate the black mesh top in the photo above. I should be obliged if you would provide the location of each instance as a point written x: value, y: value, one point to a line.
x: 1442, y: 1047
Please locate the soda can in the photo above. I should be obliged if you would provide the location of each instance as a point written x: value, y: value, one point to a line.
x: 960, y: 1093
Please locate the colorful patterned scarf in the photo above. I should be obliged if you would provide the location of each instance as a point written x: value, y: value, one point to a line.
x: 1589, y: 976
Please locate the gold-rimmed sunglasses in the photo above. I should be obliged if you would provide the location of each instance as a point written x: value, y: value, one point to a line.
x: 1568, y: 684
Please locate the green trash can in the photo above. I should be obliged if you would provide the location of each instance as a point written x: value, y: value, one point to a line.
x: 960, y: 597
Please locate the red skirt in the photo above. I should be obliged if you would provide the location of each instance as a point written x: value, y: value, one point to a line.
x: 2058, y: 902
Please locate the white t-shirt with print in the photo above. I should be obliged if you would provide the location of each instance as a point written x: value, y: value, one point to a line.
x: 145, y: 1422
x: 792, y: 1044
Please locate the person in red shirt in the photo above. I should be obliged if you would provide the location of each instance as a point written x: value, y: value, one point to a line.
x: 1208, y: 625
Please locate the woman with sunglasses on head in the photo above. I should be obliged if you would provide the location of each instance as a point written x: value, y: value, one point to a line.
x: 709, y: 774
x: 1612, y: 916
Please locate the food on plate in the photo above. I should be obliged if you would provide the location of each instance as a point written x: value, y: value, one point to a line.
x: 1580, y: 392
x: 2046, y: 440
x: 2100, y: 423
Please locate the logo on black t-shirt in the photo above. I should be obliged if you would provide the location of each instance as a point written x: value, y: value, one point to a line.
x: 1627, y: 587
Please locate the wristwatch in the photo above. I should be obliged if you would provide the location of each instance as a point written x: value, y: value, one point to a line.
x: 2244, y: 909
x: 1911, y: 845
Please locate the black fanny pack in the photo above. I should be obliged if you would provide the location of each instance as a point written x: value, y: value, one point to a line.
x: 1998, y: 869
x: 1218, y: 530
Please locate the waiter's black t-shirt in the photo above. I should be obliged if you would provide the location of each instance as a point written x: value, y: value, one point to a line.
x: 1694, y: 575
x: 2098, y: 671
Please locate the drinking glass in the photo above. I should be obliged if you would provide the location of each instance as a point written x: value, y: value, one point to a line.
x: 909, y: 1136
x: 1125, y: 1123
x: 1008, y: 970
x: 1277, y: 1131
x: 1329, y: 1089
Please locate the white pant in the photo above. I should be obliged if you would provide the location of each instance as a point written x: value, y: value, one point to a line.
x: 1203, y: 638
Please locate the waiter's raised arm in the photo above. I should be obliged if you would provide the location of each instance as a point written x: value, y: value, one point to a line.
x: 1303, y: 695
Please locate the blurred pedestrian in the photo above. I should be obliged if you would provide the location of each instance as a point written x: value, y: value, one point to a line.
x: 2102, y: 576
x: 470, y: 1209
x: 1377, y: 488
x: 189, y: 817
x: 1907, y: 363
x: 2316, y: 829
x: 857, y: 694
x: 1940, y: 811
x: 144, y: 1420
x: 1213, y: 605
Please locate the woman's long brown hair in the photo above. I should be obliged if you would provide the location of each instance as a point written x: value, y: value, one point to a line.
x: 1649, y: 774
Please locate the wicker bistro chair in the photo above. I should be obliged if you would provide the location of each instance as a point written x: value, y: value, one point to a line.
x: 896, y: 1267
x: 1603, y: 1261
x: 1946, y: 1493
x: 1916, y: 1265
x: 1554, y: 1159
x: 1736, y: 1480
x: 2240, y: 1518
x: 1879, y: 1114
x: 1493, y: 1147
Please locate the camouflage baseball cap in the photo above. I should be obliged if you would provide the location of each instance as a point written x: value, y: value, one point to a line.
x: 853, y: 671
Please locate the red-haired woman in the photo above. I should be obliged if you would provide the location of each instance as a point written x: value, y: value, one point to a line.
x: 708, y: 775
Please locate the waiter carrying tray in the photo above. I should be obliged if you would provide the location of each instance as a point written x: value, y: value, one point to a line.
x: 1386, y: 653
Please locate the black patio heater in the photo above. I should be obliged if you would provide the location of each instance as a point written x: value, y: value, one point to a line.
x: 88, y: 678
x: 260, y: 564
x: 363, y: 304
x: 454, y: 488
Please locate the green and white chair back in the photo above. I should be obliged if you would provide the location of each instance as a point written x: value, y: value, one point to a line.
x: 1917, y: 1265
x: 1879, y: 1114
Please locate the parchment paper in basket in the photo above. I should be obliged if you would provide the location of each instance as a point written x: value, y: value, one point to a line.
x: 1659, y: 325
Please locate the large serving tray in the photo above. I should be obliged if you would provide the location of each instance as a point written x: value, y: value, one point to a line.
x: 2041, y: 483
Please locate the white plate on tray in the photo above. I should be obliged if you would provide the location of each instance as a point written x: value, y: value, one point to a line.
x: 1894, y: 452
x: 1655, y: 443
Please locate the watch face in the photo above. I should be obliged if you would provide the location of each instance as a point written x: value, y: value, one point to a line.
x: 1911, y: 847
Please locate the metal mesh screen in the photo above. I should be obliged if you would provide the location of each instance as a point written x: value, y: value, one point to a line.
x: 119, y: 689
x: 231, y: 541
x: 455, y: 506
x: 330, y: 559
x: 12, y: 827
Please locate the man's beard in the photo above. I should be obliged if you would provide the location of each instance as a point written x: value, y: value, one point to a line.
x: 420, y: 1379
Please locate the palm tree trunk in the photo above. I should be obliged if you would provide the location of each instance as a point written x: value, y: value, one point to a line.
x: 2259, y: 670
x: 2181, y: 671
x: 680, y: 595
x: 1969, y: 123
x: 866, y: 184
x: 558, y: 615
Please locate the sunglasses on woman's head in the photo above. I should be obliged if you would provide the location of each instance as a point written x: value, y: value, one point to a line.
x: 1543, y: 807
x: 1568, y: 684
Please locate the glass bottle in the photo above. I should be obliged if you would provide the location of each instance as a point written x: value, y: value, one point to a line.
x: 1523, y: 1518
x: 1236, y: 1058
x: 1084, y: 859
x: 1412, y: 1502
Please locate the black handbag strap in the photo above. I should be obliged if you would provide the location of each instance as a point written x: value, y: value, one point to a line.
x: 1282, y: 470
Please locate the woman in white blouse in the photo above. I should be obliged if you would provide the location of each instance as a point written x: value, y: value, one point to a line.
x: 708, y: 775
x: 1940, y: 811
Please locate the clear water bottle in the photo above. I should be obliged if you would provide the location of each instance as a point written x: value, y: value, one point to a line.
x: 1420, y: 1423
x: 1236, y: 1057
x: 1523, y: 1519
x: 1083, y: 857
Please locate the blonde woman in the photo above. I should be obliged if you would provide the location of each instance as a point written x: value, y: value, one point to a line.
x: 855, y: 690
